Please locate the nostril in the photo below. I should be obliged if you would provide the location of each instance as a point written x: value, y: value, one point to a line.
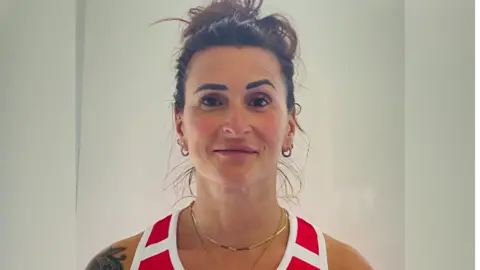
x: 228, y: 130
x: 236, y: 131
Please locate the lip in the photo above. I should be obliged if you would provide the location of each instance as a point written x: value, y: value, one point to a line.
x: 236, y: 150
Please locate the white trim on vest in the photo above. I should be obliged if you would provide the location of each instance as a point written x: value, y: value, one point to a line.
x: 140, y: 252
x: 170, y: 243
x: 306, y: 255
x: 322, y: 245
x: 172, y: 234
x: 292, y: 238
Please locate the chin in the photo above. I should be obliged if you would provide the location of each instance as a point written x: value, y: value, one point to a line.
x: 235, y: 176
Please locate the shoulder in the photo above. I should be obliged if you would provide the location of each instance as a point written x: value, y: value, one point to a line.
x: 341, y: 256
x: 119, y: 255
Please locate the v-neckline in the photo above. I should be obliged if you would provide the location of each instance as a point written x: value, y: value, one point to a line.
x: 175, y: 257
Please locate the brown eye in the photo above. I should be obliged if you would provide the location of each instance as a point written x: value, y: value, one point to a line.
x: 259, y: 101
x: 211, y: 101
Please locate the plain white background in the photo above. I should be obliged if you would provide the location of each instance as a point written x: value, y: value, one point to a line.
x: 37, y: 134
x: 353, y: 113
x: 376, y: 149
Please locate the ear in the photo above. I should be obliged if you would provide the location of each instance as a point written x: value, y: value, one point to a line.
x: 178, y: 120
x: 291, y: 129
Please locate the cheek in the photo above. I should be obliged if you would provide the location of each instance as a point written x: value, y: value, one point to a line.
x: 198, y: 127
x: 272, y: 128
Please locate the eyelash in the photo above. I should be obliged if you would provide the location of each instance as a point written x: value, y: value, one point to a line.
x: 218, y: 99
x: 206, y: 98
x: 261, y: 96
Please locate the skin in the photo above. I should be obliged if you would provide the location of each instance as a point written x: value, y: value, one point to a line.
x: 235, y: 98
x: 236, y: 199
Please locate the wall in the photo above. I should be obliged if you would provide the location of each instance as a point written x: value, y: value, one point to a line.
x: 353, y: 113
x: 366, y: 144
x: 439, y: 134
x: 37, y: 131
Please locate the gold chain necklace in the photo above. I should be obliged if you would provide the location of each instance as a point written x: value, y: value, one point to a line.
x: 268, y: 239
x: 269, y: 243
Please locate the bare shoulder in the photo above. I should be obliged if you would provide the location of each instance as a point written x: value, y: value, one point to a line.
x: 344, y: 257
x: 118, y: 256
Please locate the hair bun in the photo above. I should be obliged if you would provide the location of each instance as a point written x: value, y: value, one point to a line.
x: 240, y: 10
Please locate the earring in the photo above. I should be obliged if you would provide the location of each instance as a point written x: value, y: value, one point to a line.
x: 287, y: 153
x: 182, y: 150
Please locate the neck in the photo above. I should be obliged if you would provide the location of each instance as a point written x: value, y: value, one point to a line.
x: 237, y: 217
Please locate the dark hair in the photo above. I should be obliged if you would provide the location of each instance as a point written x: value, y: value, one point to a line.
x: 236, y: 23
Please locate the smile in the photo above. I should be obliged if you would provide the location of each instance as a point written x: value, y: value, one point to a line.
x: 236, y: 151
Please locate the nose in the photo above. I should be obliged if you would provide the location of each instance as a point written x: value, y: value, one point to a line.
x: 237, y: 122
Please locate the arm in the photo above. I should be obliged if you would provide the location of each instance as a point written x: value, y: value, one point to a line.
x: 344, y: 257
x: 118, y: 256
x: 111, y: 258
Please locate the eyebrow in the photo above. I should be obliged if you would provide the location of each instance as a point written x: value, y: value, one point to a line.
x: 212, y: 86
x: 259, y: 83
x: 223, y: 87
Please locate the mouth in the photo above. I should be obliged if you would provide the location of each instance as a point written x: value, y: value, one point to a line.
x: 233, y: 151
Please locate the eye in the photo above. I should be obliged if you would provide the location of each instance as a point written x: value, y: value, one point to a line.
x: 259, y: 101
x: 210, y: 101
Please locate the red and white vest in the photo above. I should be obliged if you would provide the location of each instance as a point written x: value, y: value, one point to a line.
x: 157, y: 249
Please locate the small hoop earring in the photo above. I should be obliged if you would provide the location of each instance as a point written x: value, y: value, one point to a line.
x: 287, y: 153
x: 181, y: 144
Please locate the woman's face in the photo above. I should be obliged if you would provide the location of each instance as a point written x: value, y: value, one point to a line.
x: 235, y: 121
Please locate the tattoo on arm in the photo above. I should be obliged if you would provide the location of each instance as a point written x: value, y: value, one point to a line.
x: 108, y: 259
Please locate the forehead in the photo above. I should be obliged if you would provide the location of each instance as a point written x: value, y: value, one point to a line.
x: 234, y: 65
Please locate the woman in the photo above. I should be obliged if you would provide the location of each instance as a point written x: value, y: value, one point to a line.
x: 234, y: 116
